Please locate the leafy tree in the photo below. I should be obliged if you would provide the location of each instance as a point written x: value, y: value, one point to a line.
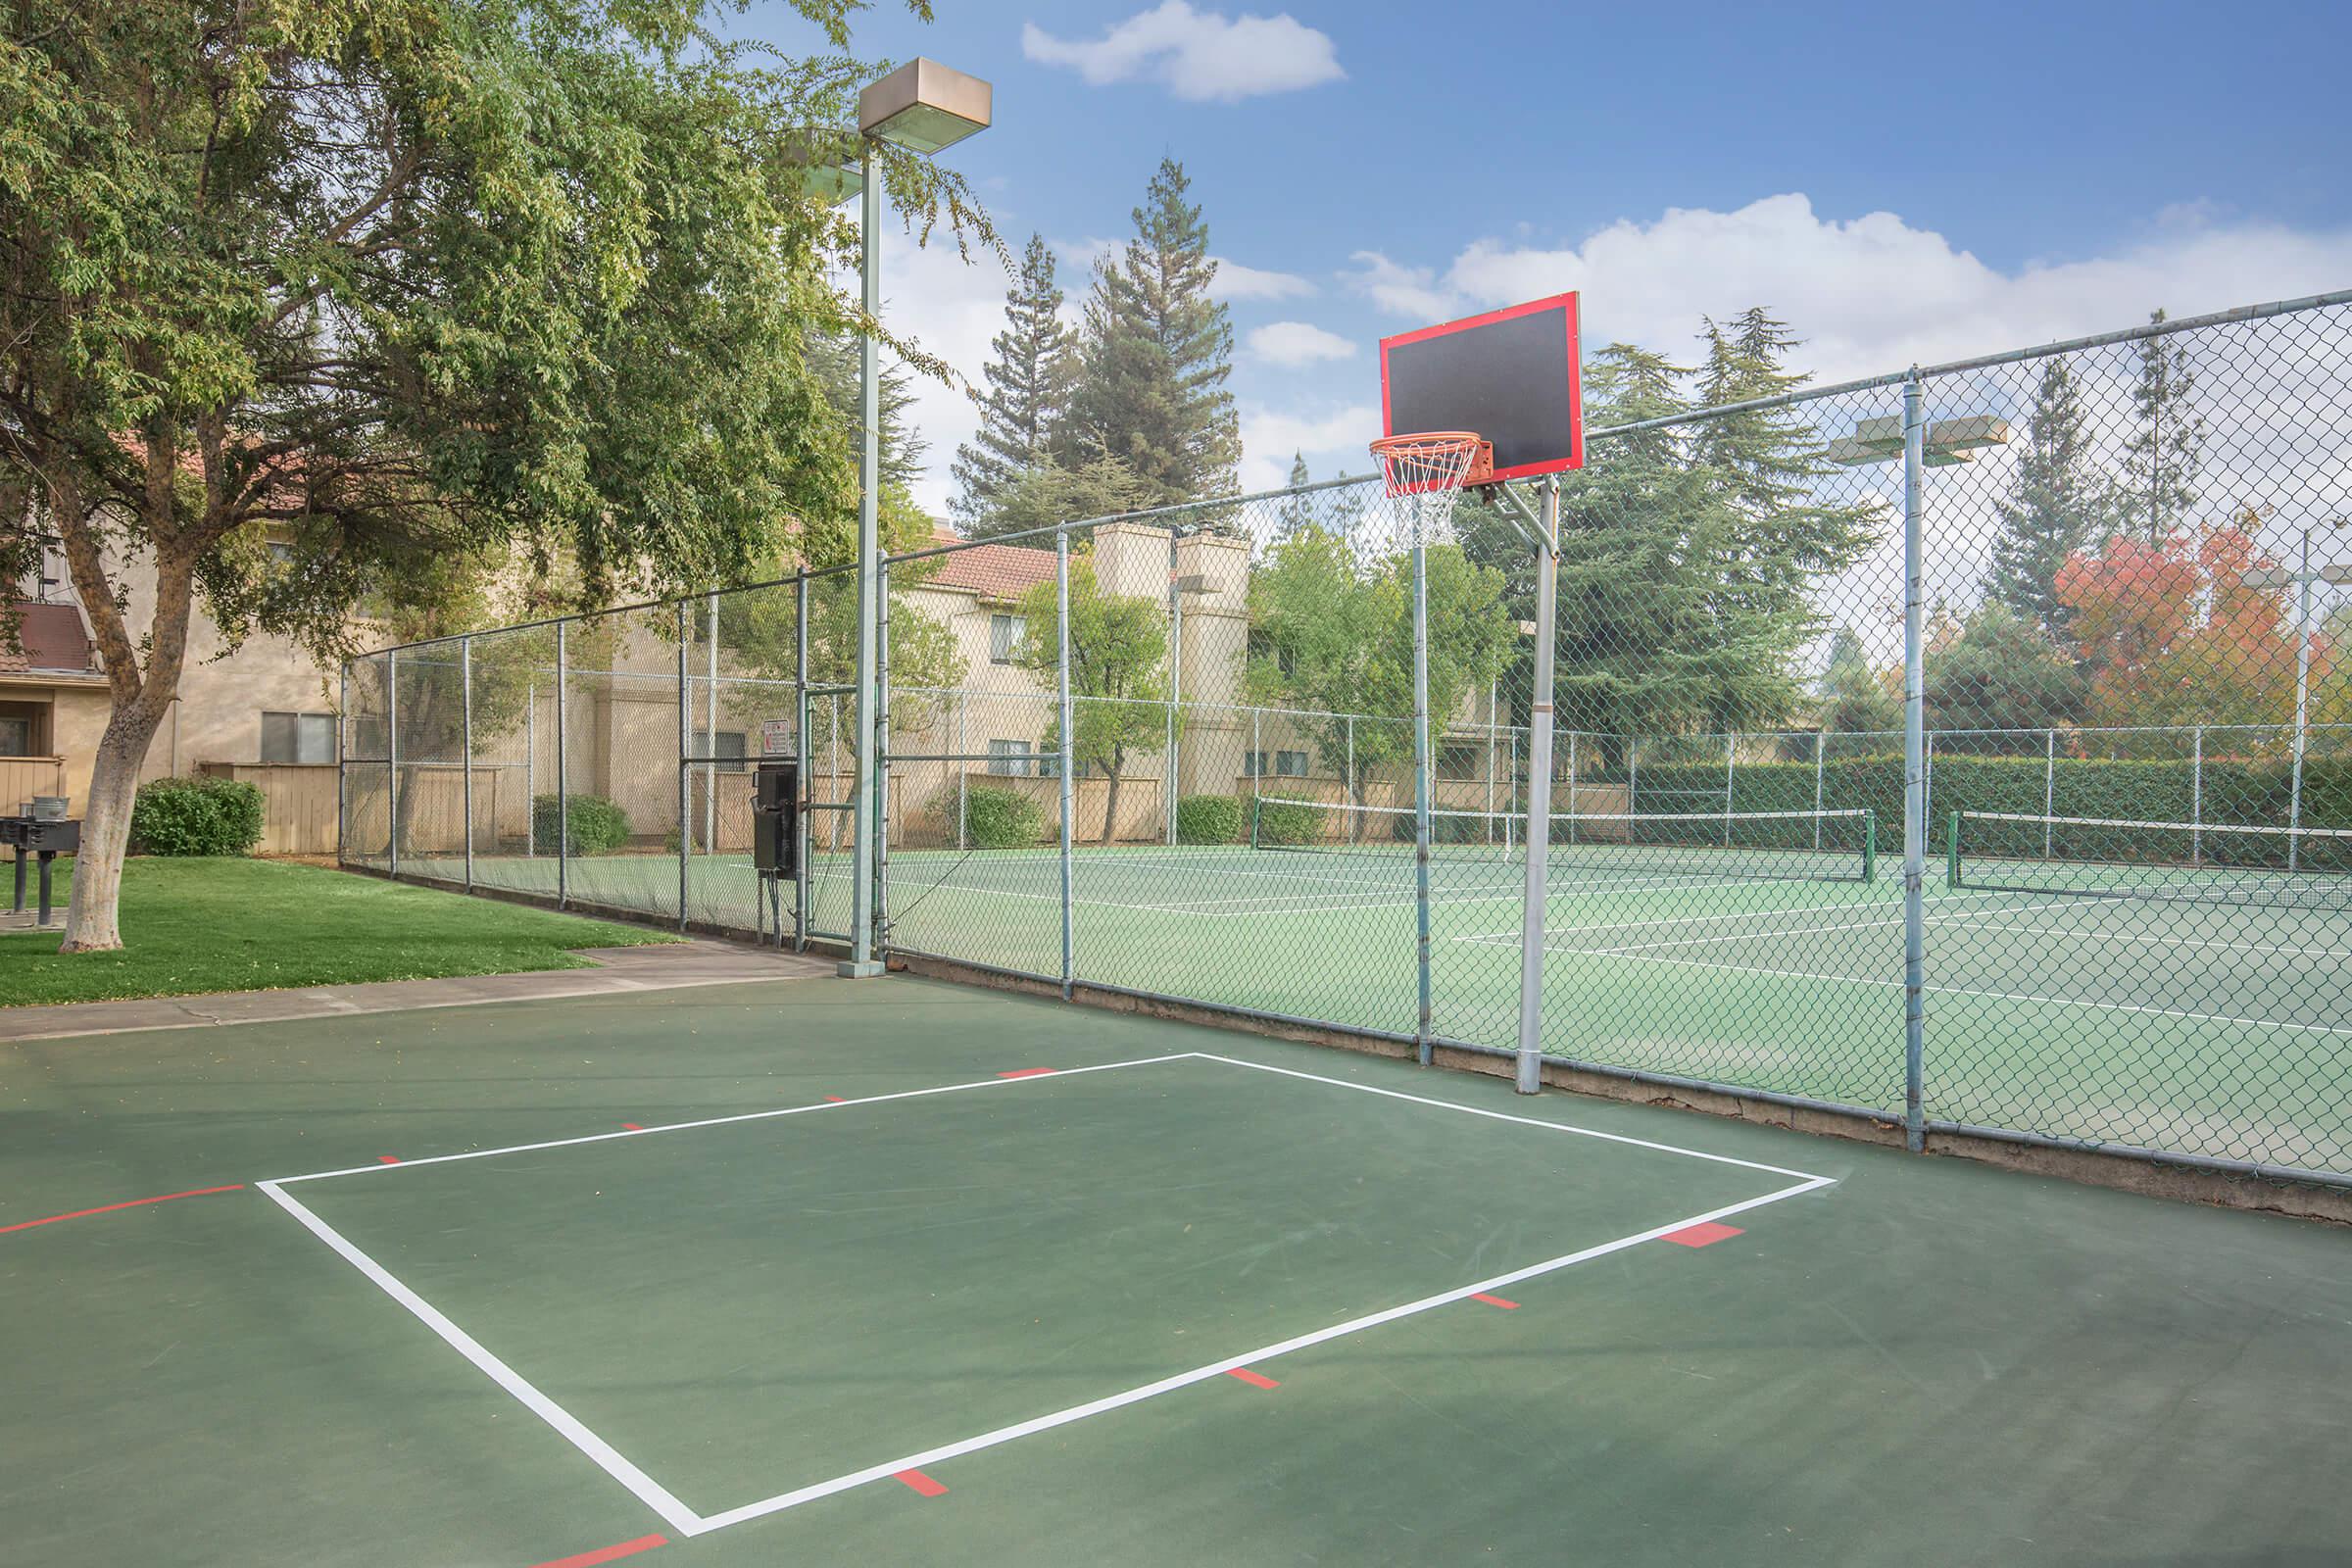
x: 2163, y: 457
x: 2002, y: 672
x: 1047, y: 494
x: 2058, y: 501
x: 1333, y: 635
x: 836, y: 357
x: 404, y: 283
x: 1155, y: 350
x: 1029, y: 381
x: 1854, y: 701
x: 1118, y: 674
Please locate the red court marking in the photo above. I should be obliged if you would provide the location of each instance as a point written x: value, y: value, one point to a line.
x: 837, y: 1100
x: 1256, y: 1380
x: 1496, y: 1301
x: 922, y: 1482
x: 1706, y: 1234
x: 632, y: 1126
x: 627, y: 1548
x: 1027, y: 1072
x: 109, y: 1208
x: 387, y: 1159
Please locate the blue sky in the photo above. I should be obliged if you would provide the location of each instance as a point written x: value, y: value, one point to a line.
x: 1896, y: 192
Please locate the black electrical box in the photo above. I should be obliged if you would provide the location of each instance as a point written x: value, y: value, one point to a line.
x: 777, y: 820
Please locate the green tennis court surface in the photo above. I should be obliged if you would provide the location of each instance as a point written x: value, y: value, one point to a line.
x: 897, y: 1271
x: 2125, y: 1019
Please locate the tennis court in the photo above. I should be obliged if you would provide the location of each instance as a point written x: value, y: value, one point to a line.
x: 901, y: 1271
x: 2178, y: 998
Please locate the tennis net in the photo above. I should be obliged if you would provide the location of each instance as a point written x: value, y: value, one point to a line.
x: 1772, y: 846
x: 2214, y: 862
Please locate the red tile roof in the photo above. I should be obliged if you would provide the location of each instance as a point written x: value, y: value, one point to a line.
x: 993, y: 571
x: 52, y: 638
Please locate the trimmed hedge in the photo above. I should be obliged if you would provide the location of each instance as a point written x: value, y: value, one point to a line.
x: 1208, y: 819
x: 2140, y: 791
x: 196, y: 816
x: 598, y: 826
x: 1001, y: 819
x: 1290, y: 822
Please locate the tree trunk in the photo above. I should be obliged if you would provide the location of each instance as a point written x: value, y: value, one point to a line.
x: 92, y: 924
x: 1111, y: 808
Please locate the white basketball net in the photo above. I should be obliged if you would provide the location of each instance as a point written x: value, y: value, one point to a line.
x: 1425, y: 474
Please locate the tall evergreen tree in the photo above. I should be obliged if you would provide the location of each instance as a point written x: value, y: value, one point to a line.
x: 1156, y: 350
x: 2165, y: 451
x: 1029, y: 381
x: 833, y: 356
x: 1296, y: 511
x: 2058, y: 501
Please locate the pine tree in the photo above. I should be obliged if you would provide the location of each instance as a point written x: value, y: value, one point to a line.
x: 2058, y: 501
x: 1029, y: 381
x: 1296, y: 511
x: 834, y: 359
x: 2164, y: 456
x: 1156, y: 350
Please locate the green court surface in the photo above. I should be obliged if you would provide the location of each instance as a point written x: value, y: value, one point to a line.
x: 2201, y: 1026
x: 902, y: 1272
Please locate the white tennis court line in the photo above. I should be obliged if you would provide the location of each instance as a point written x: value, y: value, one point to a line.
x: 687, y: 1522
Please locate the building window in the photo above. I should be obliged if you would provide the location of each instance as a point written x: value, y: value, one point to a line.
x: 1008, y: 636
x: 16, y: 737
x: 1010, y: 758
x: 1264, y: 649
x: 730, y: 746
x: 298, y: 737
x: 1461, y: 760
x: 1276, y: 765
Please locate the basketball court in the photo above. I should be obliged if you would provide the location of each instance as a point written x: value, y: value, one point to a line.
x: 901, y: 1271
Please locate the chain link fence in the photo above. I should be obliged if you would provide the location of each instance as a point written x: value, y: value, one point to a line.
x: 1967, y: 747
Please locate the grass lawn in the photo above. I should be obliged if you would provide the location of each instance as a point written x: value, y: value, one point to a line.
x: 199, y: 926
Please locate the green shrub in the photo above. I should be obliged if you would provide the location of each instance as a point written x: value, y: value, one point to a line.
x: 1001, y: 819
x: 196, y: 816
x: 597, y: 827
x: 1290, y: 822
x: 1208, y: 819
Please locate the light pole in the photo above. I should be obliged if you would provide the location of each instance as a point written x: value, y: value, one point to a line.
x: 2269, y: 578
x: 921, y: 107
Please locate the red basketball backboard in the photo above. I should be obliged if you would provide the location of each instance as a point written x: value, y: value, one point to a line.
x: 1510, y: 375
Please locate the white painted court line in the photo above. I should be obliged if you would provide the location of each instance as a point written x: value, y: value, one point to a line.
x: 722, y: 1121
x: 607, y: 1458
x: 687, y: 1522
x: 1257, y: 1357
x: 1860, y: 903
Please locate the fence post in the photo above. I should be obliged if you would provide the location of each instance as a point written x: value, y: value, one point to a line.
x: 1256, y: 752
x: 1632, y: 781
x: 1532, y: 914
x: 1821, y: 748
x: 1731, y: 749
x: 2049, y: 792
x: 710, y: 724
x: 685, y: 768
x: 1535, y: 784
x: 392, y: 763
x: 465, y: 688
x: 1167, y: 766
x: 343, y: 764
x: 1915, y: 770
x: 1421, y: 791
x: 1067, y: 719
x: 1494, y: 697
x: 530, y: 769
x: 881, y: 740
x: 562, y: 771
x: 1348, y: 786
x: 963, y: 779
x: 2196, y: 799
x: 800, y: 716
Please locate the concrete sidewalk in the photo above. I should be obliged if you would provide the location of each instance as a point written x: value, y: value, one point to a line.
x: 659, y: 966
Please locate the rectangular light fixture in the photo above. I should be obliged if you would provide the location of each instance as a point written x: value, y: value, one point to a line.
x: 924, y: 106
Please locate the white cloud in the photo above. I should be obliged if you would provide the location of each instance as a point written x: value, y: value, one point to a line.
x: 1201, y: 55
x: 1271, y: 438
x: 1401, y: 290
x: 1292, y: 344
x: 1233, y: 281
x: 1868, y: 294
x: 948, y: 308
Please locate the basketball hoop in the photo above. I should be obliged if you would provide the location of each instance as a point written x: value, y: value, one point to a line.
x: 1426, y: 472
